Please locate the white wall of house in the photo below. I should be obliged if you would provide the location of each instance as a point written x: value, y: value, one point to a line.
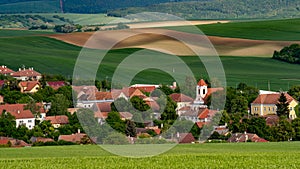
x: 29, y: 122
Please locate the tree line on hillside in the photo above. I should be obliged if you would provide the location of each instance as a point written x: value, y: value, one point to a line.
x: 290, y: 54
x: 215, y: 9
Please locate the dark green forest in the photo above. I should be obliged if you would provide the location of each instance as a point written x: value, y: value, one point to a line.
x: 290, y: 54
x: 197, y: 9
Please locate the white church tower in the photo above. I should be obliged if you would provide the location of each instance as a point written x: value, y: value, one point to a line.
x: 201, y: 92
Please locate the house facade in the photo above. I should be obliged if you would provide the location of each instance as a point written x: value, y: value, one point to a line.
x: 26, y: 74
x: 29, y: 86
x: 23, y: 117
x: 265, y: 104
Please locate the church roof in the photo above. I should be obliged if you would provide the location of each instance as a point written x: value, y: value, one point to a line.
x: 202, y: 83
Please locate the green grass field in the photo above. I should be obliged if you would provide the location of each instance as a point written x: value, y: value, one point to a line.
x: 225, y: 155
x: 55, y: 57
x: 278, y: 30
x: 15, y: 33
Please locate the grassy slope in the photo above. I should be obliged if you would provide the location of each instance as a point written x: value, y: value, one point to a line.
x: 55, y: 57
x: 243, y: 155
x: 283, y: 30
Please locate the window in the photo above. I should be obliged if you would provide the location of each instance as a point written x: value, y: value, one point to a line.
x: 265, y: 109
x: 203, y: 91
x: 273, y: 109
x: 269, y: 108
x: 255, y: 108
x: 29, y: 121
x: 291, y: 108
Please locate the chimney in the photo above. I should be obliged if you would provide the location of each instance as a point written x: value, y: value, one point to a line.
x: 78, y: 131
x: 174, y: 84
x: 18, y: 111
x: 19, y: 69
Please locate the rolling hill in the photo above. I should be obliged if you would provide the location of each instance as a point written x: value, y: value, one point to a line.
x: 56, y: 57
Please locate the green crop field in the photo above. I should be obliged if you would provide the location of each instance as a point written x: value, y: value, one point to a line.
x: 55, y: 57
x: 283, y: 30
x: 14, y: 33
x: 225, y: 155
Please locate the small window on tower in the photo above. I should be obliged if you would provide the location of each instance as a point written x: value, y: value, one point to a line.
x: 203, y: 91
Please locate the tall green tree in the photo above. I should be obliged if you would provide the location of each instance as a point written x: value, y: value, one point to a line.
x: 282, y: 106
x: 59, y: 105
x: 130, y: 128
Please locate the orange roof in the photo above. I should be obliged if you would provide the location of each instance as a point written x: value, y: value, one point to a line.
x: 148, y: 89
x: 28, y: 85
x: 203, y: 113
x: 153, y: 104
x: 26, y: 72
x: 202, y: 83
x: 128, y: 92
x: 178, y: 97
x: 103, y: 115
x: 271, y: 98
x: 104, y: 107
x: 63, y: 119
x: 72, y: 138
x: 16, y: 110
x: 186, y: 108
x: 104, y: 96
x: 4, y: 70
x: 186, y: 138
x: 201, y: 124
x: 157, y: 131
x: 125, y: 115
x: 56, y: 84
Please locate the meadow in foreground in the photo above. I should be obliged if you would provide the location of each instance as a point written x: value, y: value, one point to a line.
x: 224, y: 155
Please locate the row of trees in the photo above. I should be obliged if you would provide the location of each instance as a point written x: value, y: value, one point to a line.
x: 290, y: 54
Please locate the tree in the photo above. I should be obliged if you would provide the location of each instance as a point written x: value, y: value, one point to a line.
x: 114, y: 120
x: 7, y: 124
x: 295, y: 92
x: 170, y: 110
x: 239, y: 104
x: 296, y: 127
x: 284, y: 130
x: 67, y: 92
x: 59, y: 105
x: 130, y: 128
x: 282, y: 106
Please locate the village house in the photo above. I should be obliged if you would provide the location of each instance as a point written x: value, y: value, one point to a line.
x: 245, y: 137
x: 26, y: 74
x: 182, y: 100
x: 56, y: 84
x: 57, y: 121
x: 40, y: 139
x: 23, y: 117
x: 29, y: 86
x: 74, y: 138
x: 5, y: 71
x: 8, y: 141
x: 265, y: 104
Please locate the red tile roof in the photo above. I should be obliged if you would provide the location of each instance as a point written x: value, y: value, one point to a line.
x: 201, y: 124
x: 17, y: 110
x: 26, y: 72
x: 178, y: 97
x: 103, y: 96
x: 75, y: 138
x: 202, y: 83
x: 186, y: 108
x: 104, y: 107
x: 271, y: 120
x: 56, y: 84
x: 2, y: 82
x: 126, y: 115
x: 4, y: 141
x: 4, y: 70
x: 128, y: 92
x: 203, y: 113
x: 148, y: 89
x: 271, y: 98
x: 243, y: 137
x: 63, y: 119
x: 151, y: 103
x: 28, y: 85
x: 102, y: 115
x: 186, y: 138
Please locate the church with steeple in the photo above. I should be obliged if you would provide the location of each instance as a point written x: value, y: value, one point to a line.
x: 201, y: 92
